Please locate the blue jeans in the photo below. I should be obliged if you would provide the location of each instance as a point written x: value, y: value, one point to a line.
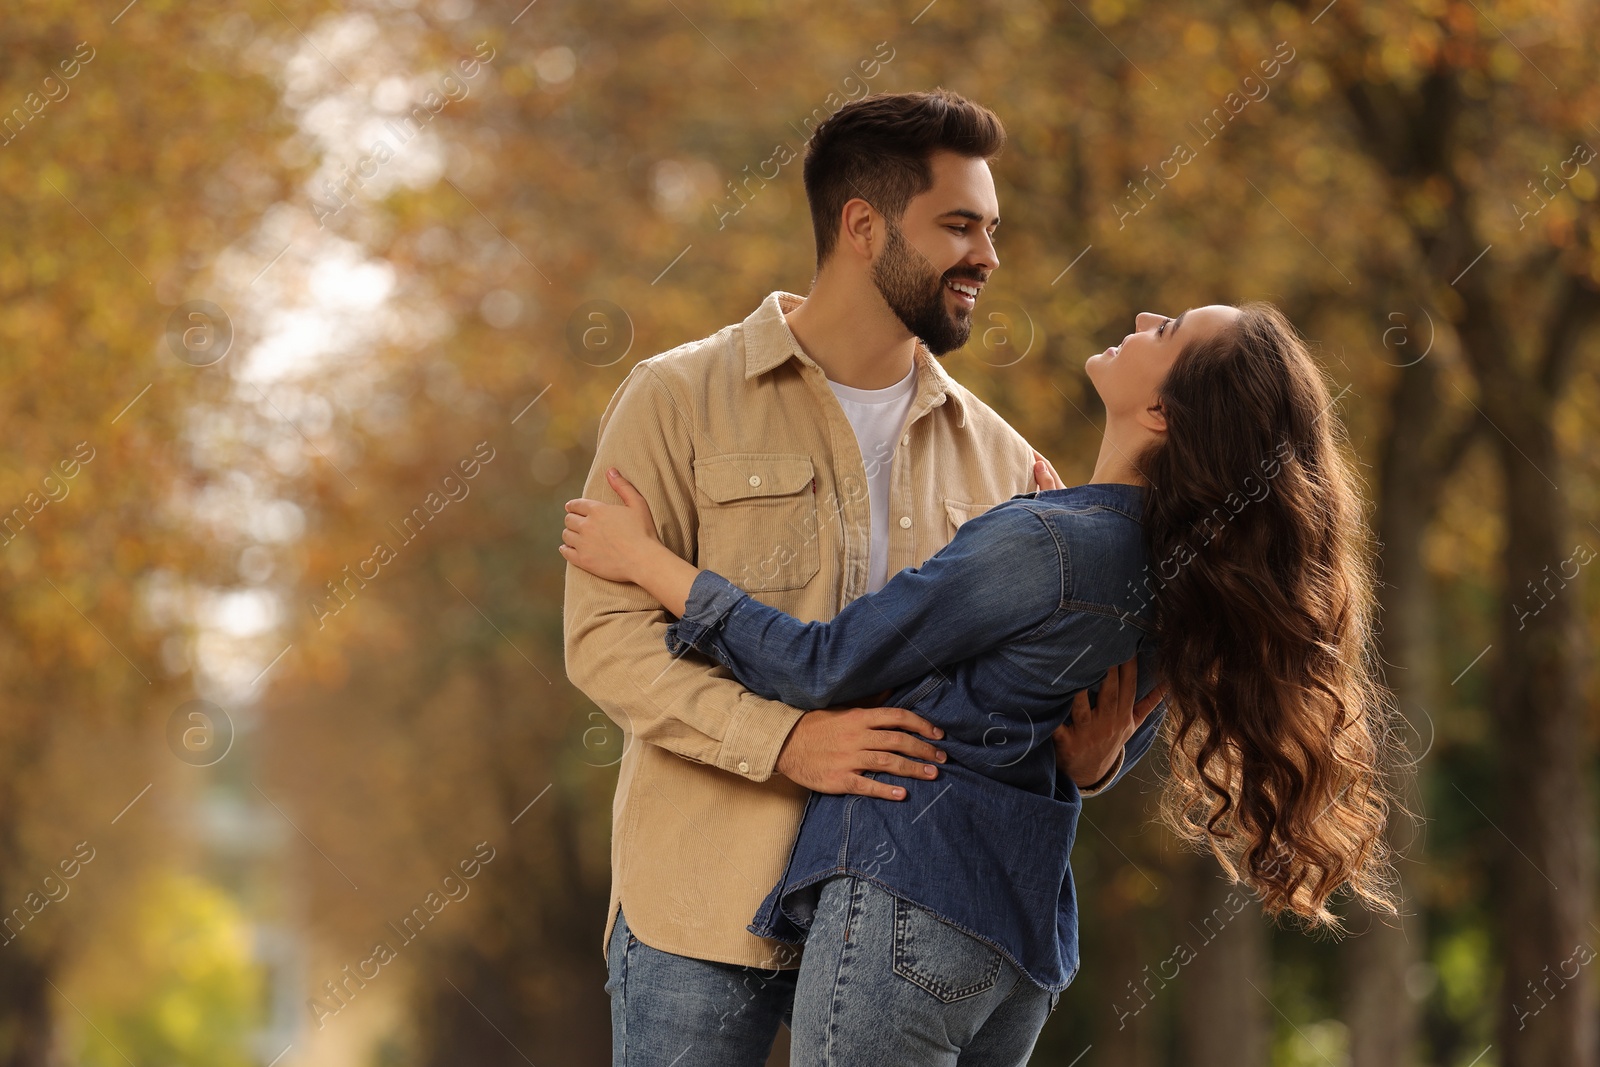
x: 884, y: 983
x: 675, y: 1011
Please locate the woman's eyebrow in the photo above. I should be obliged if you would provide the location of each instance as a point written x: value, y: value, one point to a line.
x: 1176, y: 323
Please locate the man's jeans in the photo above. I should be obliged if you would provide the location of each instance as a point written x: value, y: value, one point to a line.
x: 674, y: 1011
x: 883, y: 984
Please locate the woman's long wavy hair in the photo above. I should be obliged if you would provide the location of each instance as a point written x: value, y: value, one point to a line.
x: 1281, y: 734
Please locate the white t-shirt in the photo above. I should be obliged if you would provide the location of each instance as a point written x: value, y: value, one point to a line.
x: 877, y: 415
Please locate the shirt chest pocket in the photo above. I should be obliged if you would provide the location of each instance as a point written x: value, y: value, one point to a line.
x: 758, y: 519
x: 959, y: 511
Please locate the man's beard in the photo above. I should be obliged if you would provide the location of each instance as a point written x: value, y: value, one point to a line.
x: 916, y: 295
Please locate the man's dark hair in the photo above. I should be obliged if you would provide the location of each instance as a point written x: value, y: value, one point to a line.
x: 878, y: 148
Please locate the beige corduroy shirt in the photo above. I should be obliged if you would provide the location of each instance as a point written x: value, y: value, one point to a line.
x: 751, y: 469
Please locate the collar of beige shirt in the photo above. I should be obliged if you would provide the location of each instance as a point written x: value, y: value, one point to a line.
x: 768, y: 343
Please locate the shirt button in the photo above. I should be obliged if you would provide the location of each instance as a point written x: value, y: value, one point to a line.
x: 906, y: 439
x: 744, y: 766
x: 755, y: 480
x: 905, y: 522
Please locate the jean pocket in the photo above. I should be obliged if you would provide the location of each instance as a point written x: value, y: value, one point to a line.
x: 621, y: 943
x: 931, y: 953
x: 628, y: 940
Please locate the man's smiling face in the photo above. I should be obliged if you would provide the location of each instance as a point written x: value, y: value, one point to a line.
x: 936, y: 261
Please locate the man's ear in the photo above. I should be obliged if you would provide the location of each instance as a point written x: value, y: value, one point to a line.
x: 860, y: 224
x: 1153, y: 418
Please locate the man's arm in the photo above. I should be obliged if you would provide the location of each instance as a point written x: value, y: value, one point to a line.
x: 615, y: 643
x: 1149, y: 723
x: 1135, y: 748
x: 1097, y: 745
x: 610, y: 630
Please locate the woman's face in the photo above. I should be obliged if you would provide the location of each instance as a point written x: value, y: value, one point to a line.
x: 1128, y: 376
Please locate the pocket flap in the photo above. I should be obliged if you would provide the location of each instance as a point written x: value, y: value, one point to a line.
x: 960, y: 511
x: 750, y: 475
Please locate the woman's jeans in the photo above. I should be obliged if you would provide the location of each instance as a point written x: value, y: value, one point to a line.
x: 882, y: 983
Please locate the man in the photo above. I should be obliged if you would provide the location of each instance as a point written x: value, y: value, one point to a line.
x: 806, y: 453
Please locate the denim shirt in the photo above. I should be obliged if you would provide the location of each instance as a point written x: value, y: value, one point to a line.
x: 1031, y: 601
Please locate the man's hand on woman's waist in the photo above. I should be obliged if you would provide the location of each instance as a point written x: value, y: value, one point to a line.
x: 828, y: 750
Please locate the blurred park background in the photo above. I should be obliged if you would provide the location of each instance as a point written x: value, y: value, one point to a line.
x: 276, y: 275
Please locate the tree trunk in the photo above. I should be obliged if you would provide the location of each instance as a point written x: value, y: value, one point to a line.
x: 1544, y: 817
x: 1224, y: 1017
x: 1546, y: 877
x: 1125, y: 939
x: 26, y: 1018
x: 1380, y: 1009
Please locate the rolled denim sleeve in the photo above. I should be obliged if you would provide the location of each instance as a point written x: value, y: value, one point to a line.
x: 711, y: 597
x: 1002, y: 576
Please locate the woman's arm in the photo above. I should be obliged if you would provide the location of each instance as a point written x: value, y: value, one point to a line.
x: 666, y: 576
x: 1001, y: 577
x: 619, y: 544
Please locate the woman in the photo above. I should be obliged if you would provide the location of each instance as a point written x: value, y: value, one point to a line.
x: 1222, y: 520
